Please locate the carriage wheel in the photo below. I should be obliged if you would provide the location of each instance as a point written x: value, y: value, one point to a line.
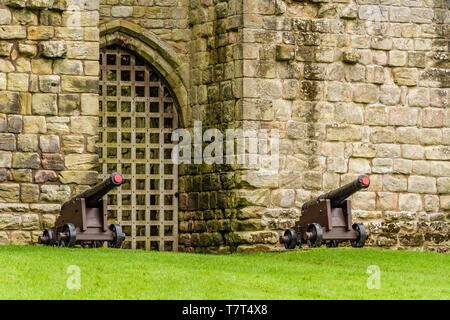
x: 48, y: 238
x: 362, y: 236
x: 95, y: 244
x: 315, y: 235
x: 290, y: 237
x: 70, y: 235
x: 332, y: 244
x: 119, y: 236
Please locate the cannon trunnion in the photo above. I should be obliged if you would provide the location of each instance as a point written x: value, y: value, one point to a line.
x: 328, y: 219
x: 83, y: 220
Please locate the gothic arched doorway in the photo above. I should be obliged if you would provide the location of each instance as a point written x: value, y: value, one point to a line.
x: 137, y: 116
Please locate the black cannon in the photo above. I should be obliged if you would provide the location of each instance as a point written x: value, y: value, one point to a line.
x: 328, y: 218
x: 83, y: 220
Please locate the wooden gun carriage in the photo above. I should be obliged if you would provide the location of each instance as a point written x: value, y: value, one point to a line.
x: 328, y: 218
x: 83, y: 220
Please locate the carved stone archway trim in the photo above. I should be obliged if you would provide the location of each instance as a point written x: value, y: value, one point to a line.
x: 157, y: 53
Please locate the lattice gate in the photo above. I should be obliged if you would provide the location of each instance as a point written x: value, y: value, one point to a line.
x: 137, y: 116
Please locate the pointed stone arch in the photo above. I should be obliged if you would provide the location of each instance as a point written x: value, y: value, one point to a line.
x: 157, y: 53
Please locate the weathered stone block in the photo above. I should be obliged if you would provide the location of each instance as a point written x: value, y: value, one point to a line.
x: 34, y: 124
x: 45, y: 104
x: 79, y: 84
x: 283, y: 198
x: 20, y: 237
x: 43, y: 176
x: 397, y: 58
x: 9, y: 192
x: 49, y: 83
x: 27, y: 142
x: 285, y: 52
x: 359, y: 165
x: 433, y: 117
x: 382, y: 135
x: 419, y: 184
x: 394, y: 183
x: 53, y: 49
x: 9, y: 102
x: 403, y: 116
x: 29, y: 193
x: 18, y: 81
x: 290, y: 89
x: 419, y: 97
x: 9, y: 222
x: 89, y: 104
x: 69, y: 67
x: 12, y: 32
x: 338, y: 91
x: 416, y: 59
x: 41, y: 66
x: 21, y: 175
x: 55, y: 193
x: 73, y: 144
x: 258, y: 179
x: 349, y: 113
x: 83, y: 51
x: 16, y: 3
x: 437, y: 153
x: 14, y: 123
x: 78, y: 177
x: 27, y: 50
x: 4, y: 240
x: 445, y: 202
x: 382, y: 165
x: 49, y: 144
x: 337, y: 164
x: 68, y: 103
x: 376, y: 115
x: 53, y: 161
x: 312, y: 180
x: 381, y: 43
x: 26, y: 160
x: 344, y: 133
x: 438, y: 98
x: 253, y: 237
x: 84, y: 125
x: 411, y: 240
x: 5, y: 48
x: 7, y: 141
x: 257, y: 197
x: 82, y: 162
x: 405, y: 76
x: 402, y: 166
x: 40, y: 33
x: 48, y: 221
x: 365, y: 93
x: 121, y: 11
x: 39, y: 4
x: 248, y: 225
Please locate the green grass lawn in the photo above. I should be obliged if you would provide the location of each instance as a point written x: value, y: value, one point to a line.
x: 28, y: 272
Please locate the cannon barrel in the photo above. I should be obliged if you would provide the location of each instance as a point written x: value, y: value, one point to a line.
x: 337, y: 196
x: 93, y: 195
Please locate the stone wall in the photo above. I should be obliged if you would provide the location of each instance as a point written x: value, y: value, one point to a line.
x: 208, y: 192
x: 205, y: 35
x: 356, y: 87
x: 168, y: 19
x: 48, y: 110
x: 353, y: 86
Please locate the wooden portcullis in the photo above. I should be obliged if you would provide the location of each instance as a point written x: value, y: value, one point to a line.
x: 328, y: 219
x: 83, y: 220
